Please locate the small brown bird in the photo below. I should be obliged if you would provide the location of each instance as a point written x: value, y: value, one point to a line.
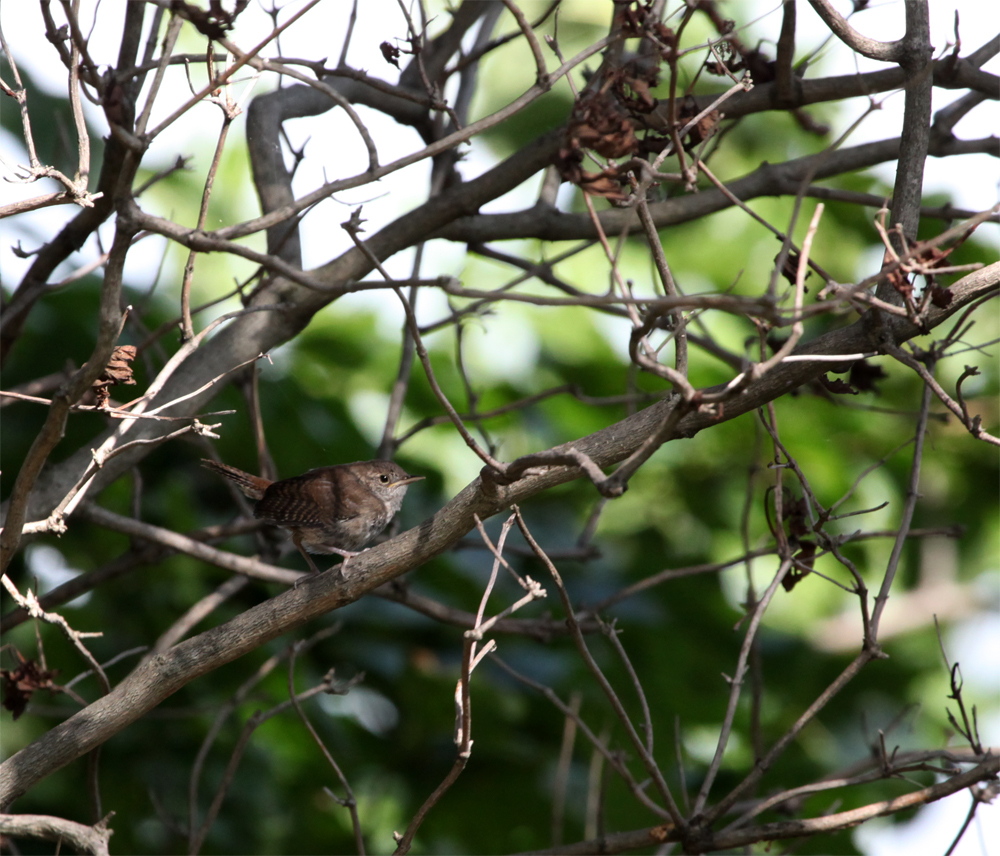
x: 335, y: 509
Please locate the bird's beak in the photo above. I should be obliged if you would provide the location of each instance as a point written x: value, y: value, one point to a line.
x: 408, y: 480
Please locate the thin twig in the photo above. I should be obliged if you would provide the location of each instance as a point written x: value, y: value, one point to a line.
x: 349, y: 802
x: 640, y: 747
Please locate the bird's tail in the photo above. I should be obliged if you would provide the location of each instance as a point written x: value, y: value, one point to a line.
x: 252, y: 486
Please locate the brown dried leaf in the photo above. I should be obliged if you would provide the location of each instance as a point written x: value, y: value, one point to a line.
x: 117, y: 372
x: 940, y: 297
x: 668, y: 38
x: 706, y: 126
x: 836, y: 386
x: 796, y: 513
x: 934, y: 256
x: 790, y: 269
x: 606, y: 183
x: 806, y: 555
x: 390, y: 53
x: 19, y: 684
x: 761, y: 68
x: 897, y: 279
x: 213, y: 22
x: 600, y: 124
x: 864, y: 374
x: 637, y: 96
x: 632, y: 19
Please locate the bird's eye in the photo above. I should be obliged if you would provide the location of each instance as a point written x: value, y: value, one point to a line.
x: 384, y: 478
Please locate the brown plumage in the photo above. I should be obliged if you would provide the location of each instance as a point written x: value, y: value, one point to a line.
x: 336, y: 509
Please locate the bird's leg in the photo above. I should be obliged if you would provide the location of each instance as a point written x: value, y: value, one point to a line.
x: 308, y: 558
x: 297, y: 541
x: 347, y: 554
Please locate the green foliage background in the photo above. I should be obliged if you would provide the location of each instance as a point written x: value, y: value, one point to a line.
x: 685, y: 507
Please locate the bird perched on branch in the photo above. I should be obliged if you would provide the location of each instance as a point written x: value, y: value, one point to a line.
x: 336, y: 509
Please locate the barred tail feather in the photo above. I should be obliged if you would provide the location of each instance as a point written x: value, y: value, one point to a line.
x: 252, y: 486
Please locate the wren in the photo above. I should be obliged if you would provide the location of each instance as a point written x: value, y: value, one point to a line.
x: 336, y: 509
